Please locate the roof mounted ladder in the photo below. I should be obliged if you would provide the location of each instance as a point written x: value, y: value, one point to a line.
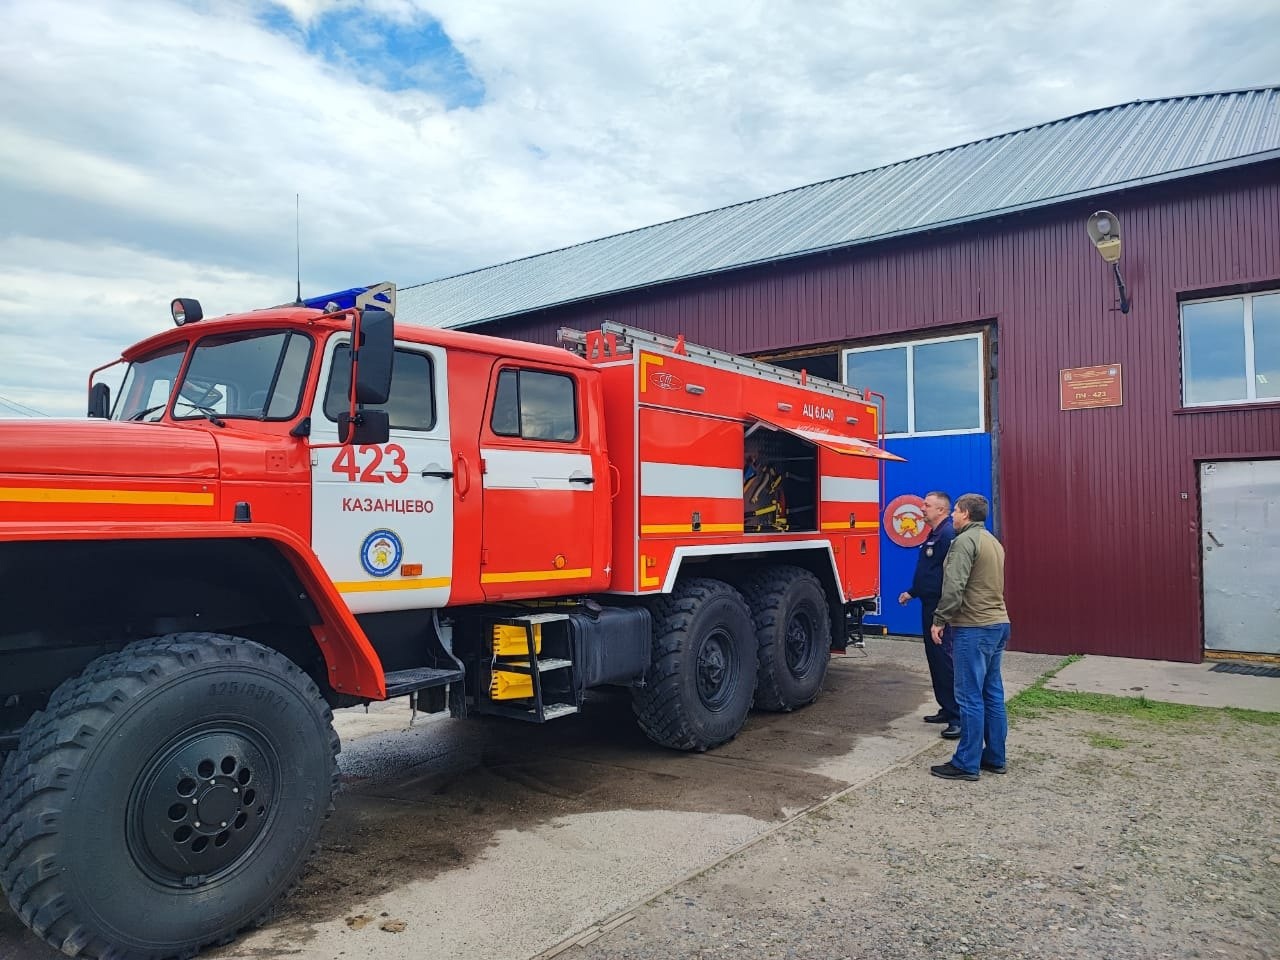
x: 620, y: 339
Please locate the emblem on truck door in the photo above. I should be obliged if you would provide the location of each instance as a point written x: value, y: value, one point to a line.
x: 665, y: 381
x: 380, y: 553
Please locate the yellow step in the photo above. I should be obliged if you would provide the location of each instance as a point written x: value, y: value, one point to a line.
x: 513, y: 641
x: 506, y: 685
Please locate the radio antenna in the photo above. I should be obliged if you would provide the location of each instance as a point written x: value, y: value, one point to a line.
x: 297, y: 243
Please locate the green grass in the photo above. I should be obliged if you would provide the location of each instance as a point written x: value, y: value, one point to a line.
x: 1107, y: 743
x: 1065, y: 662
x: 1036, y: 700
x: 1261, y: 717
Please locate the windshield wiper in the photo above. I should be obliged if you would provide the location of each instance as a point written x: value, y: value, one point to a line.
x: 208, y: 413
x: 142, y: 413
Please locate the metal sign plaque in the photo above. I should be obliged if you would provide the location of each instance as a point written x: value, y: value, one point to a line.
x: 1082, y: 388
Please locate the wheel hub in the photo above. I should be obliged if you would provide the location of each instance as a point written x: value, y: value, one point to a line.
x: 799, y: 644
x: 218, y: 802
x: 715, y: 670
x: 201, y: 806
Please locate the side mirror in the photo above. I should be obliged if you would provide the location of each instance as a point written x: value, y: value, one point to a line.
x: 369, y: 427
x: 100, y: 401
x: 373, y: 357
x: 373, y: 351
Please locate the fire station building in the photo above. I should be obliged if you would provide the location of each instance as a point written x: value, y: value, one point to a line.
x: 1080, y: 320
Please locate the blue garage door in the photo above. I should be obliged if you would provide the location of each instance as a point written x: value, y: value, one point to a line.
x: 954, y: 464
x: 936, y: 415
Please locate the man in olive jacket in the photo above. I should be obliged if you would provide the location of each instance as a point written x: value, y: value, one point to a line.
x: 972, y: 603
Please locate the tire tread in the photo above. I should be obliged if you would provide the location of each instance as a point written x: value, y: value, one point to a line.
x: 658, y: 705
x: 767, y: 590
x: 54, y: 743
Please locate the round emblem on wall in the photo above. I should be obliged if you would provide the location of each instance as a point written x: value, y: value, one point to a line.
x: 904, y: 520
x: 380, y: 553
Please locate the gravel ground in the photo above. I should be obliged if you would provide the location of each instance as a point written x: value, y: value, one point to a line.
x: 1112, y: 837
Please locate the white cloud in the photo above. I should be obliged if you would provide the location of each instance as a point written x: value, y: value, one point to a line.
x: 66, y: 311
x: 152, y: 149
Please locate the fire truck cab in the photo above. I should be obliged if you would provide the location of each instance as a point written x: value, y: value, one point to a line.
x: 291, y: 510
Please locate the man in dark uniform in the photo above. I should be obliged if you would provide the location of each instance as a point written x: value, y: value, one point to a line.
x: 926, y: 587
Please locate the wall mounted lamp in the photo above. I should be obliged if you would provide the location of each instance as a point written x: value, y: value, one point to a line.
x: 1104, y: 231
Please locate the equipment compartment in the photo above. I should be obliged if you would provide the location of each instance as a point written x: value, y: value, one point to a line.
x: 779, y: 482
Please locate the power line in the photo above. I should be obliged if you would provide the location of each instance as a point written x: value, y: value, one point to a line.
x: 21, y: 408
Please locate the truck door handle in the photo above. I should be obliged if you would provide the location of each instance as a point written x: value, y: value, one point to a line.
x: 463, y: 483
x: 582, y: 479
x: 435, y: 470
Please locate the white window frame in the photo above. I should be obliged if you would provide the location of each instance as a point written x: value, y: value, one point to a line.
x: 910, y: 345
x: 1250, y: 368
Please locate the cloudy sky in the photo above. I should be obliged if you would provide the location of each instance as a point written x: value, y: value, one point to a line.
x: 154, y: 149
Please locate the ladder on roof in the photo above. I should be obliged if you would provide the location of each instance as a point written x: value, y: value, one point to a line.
x: 623, y: 337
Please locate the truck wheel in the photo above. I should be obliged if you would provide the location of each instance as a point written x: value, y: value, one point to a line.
x: 166, y: 797
x: 793, y: 633
x: 698, y: 688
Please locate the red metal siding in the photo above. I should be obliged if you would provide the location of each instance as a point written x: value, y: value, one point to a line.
x: 1104, y: 553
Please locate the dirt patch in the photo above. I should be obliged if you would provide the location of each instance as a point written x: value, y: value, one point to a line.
x: 410, y: 817
x: 418, y: 803
x: 1109, y: 837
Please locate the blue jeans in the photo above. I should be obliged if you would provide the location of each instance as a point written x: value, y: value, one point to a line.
x: 980, y: 696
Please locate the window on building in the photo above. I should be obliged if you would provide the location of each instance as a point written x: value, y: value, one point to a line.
x: 1231, y: 350
x: 411, y: 405
x: 930, y: 386
x: 535, y: 406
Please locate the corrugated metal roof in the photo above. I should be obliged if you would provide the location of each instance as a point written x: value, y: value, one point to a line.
x: 1123, y: 146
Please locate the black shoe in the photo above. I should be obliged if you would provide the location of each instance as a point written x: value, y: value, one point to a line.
x: 938, y: 717
x: 992, y: 768
x: 952, y: 732
x: 948, y: 771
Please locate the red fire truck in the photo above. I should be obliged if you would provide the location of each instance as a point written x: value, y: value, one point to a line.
x: 291, y: 510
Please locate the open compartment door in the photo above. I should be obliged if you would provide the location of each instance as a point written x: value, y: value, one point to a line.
x: 827, y: 439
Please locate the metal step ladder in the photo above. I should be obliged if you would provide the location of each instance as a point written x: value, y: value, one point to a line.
x: 534, y: 709
x: 626, y: 337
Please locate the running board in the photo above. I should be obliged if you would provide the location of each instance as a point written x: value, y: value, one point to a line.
x: 401, y: 683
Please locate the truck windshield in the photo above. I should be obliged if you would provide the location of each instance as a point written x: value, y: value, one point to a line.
x: 257, y: 375
x: 148, y: 383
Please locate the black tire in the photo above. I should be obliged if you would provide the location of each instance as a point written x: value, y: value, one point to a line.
x: 102, y: 852
x: 793, y: 636
x: 698, y: 687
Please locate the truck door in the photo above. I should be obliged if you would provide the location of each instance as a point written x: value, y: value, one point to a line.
x: 541, y: 484
x: 382, y: 515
